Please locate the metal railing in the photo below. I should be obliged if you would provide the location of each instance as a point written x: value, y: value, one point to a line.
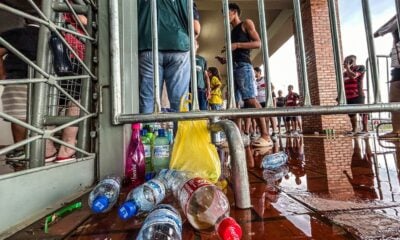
x: 45, y: 80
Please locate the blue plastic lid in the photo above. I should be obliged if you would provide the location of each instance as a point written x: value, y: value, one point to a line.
x: 143, y: 132
x: 127, y: 210
x: 100, y: 204
x: 148, y: 176
x: 161, y: 132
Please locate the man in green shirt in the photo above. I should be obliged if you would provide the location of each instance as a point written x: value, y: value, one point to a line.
x: 174, y: 46
x: 203, y: 82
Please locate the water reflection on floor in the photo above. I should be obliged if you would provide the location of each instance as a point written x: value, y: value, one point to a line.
x: 331, y: 188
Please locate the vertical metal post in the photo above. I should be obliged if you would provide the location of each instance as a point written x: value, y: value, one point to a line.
x: 84, y: 126
x: 264, y: 46
x: 116, y: 89
x: 336, y: 51
x: 156, y: 75
x: 195, y: 100
x: 39, y: 103
x: 240, y: 176
x: 371, y: 50
x: 300, y: 41
x: 228, y: 47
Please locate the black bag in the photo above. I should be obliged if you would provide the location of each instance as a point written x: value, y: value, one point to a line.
x: 61, y: 61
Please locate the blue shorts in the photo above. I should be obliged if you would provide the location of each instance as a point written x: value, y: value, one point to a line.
x: 243, y: 75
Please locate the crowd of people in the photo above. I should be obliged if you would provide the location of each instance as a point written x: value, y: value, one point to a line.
x: 174, y: 70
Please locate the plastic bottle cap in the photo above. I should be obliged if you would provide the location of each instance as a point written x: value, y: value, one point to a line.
x: 100, y: 204
x: 143, y: 132
x: 135, y: 126
x: 229, y: 229
x: 161, y: 132
x: 127, y: 210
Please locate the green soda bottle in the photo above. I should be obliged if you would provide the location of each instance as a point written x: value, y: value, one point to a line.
x: 147, y: 144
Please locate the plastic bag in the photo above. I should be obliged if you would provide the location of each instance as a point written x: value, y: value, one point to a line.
x: 193, y: 150
x: 61, y: 61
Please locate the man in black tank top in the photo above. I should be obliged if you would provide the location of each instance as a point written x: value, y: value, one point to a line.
x: 244, y: 37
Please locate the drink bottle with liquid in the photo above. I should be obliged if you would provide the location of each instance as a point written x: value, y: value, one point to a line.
x: 142, y: 198
x: 161, y: 151
x: 149, y: 173
x: 135, y: 159
x: 103, y: 197
x: 163, y: 222
x: 274, y: 161
x: 205, y: 206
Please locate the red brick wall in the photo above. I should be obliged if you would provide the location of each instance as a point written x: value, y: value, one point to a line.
x: 320, y: 67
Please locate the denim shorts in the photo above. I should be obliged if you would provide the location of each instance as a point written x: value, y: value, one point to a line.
x: 243, y: 74
x: 174, y: 69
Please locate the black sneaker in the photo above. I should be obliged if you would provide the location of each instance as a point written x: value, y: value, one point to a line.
x: 16, y: 154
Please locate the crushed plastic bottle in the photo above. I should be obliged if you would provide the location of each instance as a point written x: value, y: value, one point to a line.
x: 103, y: 197
x: 274, y: 161
x: 163, y: 222
x: 142, y: 198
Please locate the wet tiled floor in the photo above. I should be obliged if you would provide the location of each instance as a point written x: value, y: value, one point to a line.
x: 331, y: 188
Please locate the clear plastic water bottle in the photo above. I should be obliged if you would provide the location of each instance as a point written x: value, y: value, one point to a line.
x: 274, y: 161
x: 135, y: 159
x: 147, y: 154
x: 164, y: 222
x: 161, y: 152
x: 206, y: 207
x: 142, y: 198
x: 276, y: 174
x: 103, y: 197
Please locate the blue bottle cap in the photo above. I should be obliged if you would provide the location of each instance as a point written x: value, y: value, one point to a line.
x: 100, y: 204
x: 161, y: 132
x: 148, y: 176
x: 128, y: 210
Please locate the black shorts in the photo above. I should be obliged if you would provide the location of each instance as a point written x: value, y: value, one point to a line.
x: 395, y: 73
x: 290, y: 118
x: 357, y: 100
x: 262, y: 104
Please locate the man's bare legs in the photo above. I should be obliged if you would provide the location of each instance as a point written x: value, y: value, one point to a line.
x: 69, y: 134
x: 18, y: 132
x: 253, y: 103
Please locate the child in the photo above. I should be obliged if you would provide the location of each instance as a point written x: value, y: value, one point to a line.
x: 215, y: 85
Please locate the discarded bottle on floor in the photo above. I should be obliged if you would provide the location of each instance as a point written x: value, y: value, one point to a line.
x: 142, y: 198
x: 103, y: 197
x: 135, y: 159
x: 274, y: 161
x: 161, y: 152
x: 149, y: 173
x: 272, y: 175
x: 163, y: 222
x: 206, y: 207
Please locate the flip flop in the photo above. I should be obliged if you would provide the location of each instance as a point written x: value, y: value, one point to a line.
x: 261, y: 142
x: 65, y: 159
x: 50, y: 158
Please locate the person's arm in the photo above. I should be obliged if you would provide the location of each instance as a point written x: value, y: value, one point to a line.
x: 3, y: 52
x: 390, y: 26
x: 208, y: 85
x: 349, y: 71
x: 255, y: 42
x: 361, y: 72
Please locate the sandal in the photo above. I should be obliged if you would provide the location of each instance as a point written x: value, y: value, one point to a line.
x: 261, y: 142
x: 65, y: 159
x: 50, y: 158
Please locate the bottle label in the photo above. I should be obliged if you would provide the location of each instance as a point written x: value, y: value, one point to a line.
x: 158, y: 189
x: 148, y: 202
x: 161, y: 151
x: 189, y: 188
x: 147, y: 151
x: 162, y: 217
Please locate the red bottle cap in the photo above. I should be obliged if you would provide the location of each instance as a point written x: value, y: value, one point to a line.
x: 229, y: 229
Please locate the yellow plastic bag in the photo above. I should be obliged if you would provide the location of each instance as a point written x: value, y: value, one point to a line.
x: 193, y: 150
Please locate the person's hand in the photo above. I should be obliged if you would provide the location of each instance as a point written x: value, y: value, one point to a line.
x: 234, y: 46
x: 208, y: 93
x: 221, y: 60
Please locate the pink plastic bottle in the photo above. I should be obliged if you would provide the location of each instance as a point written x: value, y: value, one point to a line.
x: 135, y: 158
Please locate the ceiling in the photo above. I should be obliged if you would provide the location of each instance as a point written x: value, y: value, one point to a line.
x: 279, y: 18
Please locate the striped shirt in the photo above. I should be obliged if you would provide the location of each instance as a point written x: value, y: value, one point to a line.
x: 352, y: 85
